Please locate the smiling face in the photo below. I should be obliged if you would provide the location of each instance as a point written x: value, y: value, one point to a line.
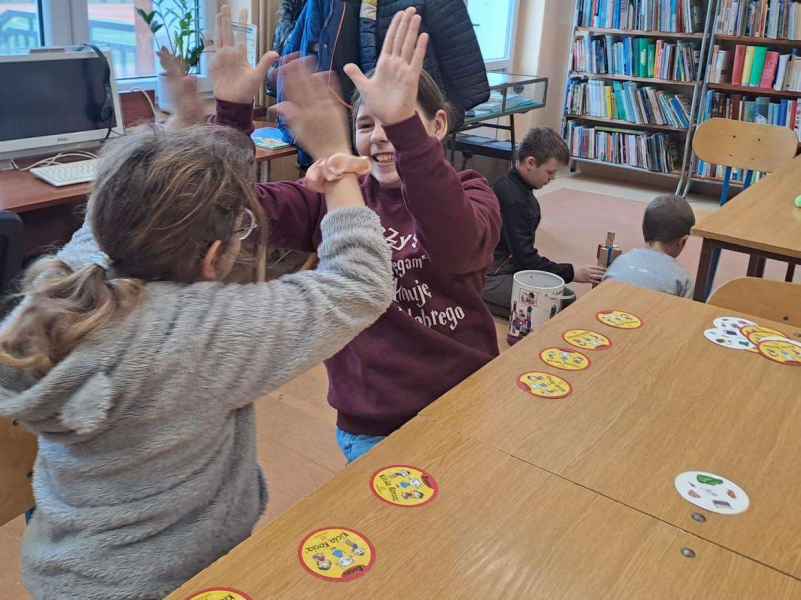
x: 372, y: 141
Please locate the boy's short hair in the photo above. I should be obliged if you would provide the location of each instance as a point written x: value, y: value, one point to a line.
x: 667, y: 219
x: 543, y: 144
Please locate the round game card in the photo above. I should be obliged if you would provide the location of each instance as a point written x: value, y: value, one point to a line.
x: 781, y: 350
x: 729, y: 338
x: 544, y: 385
x: 712, y: 492
x: 619, y: 319
x: 336, y: 554
x: 220, y: 594
x: 403, y: 485
x: 756, y: 333
x: 586, y: 339
x: 733, y: 322
x: 567, y: 360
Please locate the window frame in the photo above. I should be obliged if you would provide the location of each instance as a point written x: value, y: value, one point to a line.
x: 66, y: 23
x: 505, y: 63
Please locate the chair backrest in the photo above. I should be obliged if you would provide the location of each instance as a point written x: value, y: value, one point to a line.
x: 774, y: 300
x: 744, y: 145
x: 17, y: 455
x: 11, y: 248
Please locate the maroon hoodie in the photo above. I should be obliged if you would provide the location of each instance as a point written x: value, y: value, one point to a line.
x: 443, y: 227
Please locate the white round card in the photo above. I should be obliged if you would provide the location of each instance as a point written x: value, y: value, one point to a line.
x: 729, y: 338
x: 736, y: 322
x: 712, y: 492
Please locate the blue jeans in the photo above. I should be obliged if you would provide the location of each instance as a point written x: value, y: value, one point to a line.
x: 354, y: 445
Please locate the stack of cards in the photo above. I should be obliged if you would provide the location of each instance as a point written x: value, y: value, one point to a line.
x: 737, y: 333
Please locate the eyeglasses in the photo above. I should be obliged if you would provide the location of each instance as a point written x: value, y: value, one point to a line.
x: 247, y: 226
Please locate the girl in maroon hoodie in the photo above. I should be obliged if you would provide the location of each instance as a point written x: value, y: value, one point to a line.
x: 442, y: 225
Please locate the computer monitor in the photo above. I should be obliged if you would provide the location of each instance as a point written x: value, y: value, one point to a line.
x: 54, y: 98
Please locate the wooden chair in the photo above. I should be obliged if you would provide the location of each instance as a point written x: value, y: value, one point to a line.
x: 750, y: 147
x: 17, y: 455
x: 774, y: 300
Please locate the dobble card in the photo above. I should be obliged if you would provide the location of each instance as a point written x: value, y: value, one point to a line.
x: 403, y: 485
x: 586, y: 339
x: 712, y: 492
x: 336, y: 554
x: 544, y: 385
x: 736, y: 322
x: 783, y: 351
x: 729, y: 338
x: 619, y: 319
x: 757, y: 333
x: 220, y: 594
x: 567, y: 360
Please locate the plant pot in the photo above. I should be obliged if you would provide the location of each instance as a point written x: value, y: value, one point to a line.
x: 163, y: 99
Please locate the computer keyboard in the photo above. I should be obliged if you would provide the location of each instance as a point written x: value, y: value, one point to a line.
x: 67, y: 173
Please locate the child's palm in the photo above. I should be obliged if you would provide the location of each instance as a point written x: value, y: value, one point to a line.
x: 391, y: 93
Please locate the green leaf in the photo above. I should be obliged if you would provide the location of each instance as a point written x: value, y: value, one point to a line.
x: 155, y: 28
x: 706, y: 479
x: 147, y: 17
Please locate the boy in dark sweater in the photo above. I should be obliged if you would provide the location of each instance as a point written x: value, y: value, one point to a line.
x: 539, y: 157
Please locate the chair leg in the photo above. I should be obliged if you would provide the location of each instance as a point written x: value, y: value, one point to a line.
x: 756, y: 266
x: 790, y: 273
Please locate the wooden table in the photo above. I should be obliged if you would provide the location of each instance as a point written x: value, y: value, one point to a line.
x: 500, y: 528
x: 761, y: 221
x: 662, y: 400
x: 51, y: 214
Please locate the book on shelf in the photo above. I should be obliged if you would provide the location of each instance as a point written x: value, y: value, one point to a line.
x: 658, y: 152
x: 774, y: 19
x: 757, y: 67
x: 627, y: 101
x: 669, y: 16
x: 754, y: 109
x: 636, y: 57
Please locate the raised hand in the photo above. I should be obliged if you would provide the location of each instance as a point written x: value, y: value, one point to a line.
x: 391, y: 93
x: 314, y: 115
x: 234, y: 79
x: 189, y: 108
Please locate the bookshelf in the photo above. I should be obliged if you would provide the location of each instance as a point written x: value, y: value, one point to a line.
x: 634, y: 80
x: 745, y: 78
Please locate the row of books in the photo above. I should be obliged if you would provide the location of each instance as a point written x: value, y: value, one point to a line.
x: 780, y: 113
x: 626, y: 101
x: 756, y: 66
x: 636, y: 57
x: 776, y: 19
x: 672, y: 16
x: 659, y: 152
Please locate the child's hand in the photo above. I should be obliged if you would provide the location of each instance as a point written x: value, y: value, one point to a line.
x: 391, y: 93
x: 316, y: 119
x: 589, y: 274
x: 234, y: 79
x: 189, y: 109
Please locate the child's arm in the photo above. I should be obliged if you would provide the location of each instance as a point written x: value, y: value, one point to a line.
x: 259, y: 336
x: 457, y: 217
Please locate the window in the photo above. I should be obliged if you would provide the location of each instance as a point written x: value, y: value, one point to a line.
x: 19, y: 25
x: 494, y: 22
x: 110, y: 24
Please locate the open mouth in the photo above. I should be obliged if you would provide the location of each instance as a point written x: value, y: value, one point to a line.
x: 384, y: 158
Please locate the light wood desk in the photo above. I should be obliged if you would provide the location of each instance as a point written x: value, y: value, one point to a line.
x: 500, y: 528
x: 762, y: 221
x: 662, y: 400
x: 51, y: 214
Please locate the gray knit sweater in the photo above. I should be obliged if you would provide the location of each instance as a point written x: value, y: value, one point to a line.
x: 147, y: 469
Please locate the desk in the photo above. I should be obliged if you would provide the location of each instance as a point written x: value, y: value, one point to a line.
x: 761, y: 221
x: 662, y: 400
x: 500, y: 104
x: 49, y: 212
x: 500, y: 528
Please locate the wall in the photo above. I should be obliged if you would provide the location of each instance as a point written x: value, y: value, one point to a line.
x: 541, y: 48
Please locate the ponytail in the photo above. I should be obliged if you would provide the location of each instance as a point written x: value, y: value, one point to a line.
x: 60, y: 308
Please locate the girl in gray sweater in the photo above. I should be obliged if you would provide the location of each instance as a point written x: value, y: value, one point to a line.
x: 137, y: 366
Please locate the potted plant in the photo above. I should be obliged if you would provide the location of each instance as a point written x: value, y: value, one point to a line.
x: 178, y: 23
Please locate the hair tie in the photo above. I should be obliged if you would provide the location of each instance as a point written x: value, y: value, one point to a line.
x: 334, y: 168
